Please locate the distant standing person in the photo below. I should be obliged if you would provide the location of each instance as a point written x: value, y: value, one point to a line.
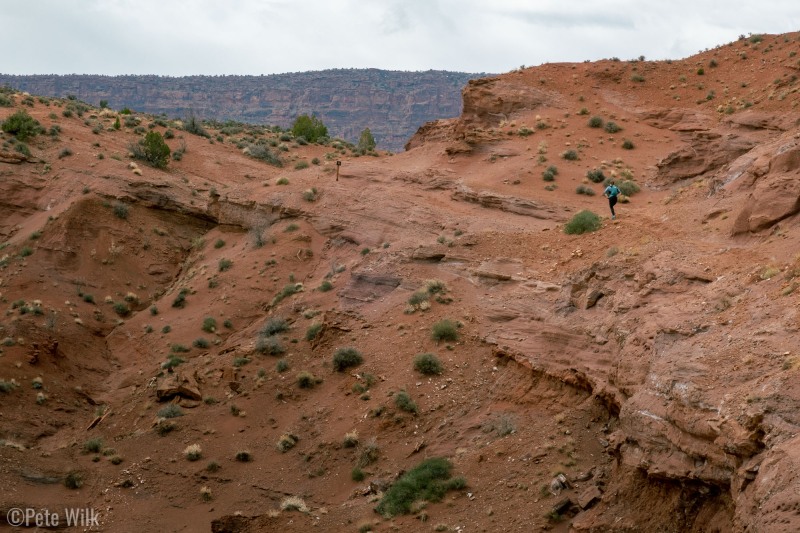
x: 611, y: 192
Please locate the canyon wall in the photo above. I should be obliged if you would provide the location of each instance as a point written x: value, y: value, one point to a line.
x: 392, y: 104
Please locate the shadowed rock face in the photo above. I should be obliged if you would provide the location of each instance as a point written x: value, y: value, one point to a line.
x: 392, y: 104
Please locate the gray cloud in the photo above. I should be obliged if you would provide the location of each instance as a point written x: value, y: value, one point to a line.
x: 181, y: 37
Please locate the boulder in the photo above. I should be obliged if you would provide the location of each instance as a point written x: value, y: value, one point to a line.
x: 177, y: 385
x: 589, y: 497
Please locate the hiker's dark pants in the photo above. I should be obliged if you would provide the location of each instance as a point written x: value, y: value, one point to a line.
x: 612, y: 201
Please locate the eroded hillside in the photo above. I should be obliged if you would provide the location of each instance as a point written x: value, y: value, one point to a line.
x: 640, y: 377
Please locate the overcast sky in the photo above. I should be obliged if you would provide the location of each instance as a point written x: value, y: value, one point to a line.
x: 183, y: 37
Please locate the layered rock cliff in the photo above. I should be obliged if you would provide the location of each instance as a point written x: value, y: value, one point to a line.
x: 392, y: 104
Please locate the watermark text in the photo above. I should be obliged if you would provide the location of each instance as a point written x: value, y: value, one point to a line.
x: 67, y: 517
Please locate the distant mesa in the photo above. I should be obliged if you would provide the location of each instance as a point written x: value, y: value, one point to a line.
x: 392, y: 104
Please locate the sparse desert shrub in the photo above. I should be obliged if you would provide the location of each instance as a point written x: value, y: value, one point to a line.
x: 428, y: 481
x: 65, y: 152
x: 286, y: 442
x: 627, y: 144
x: 428, y: 364
x: 243, y: 456
x: 350, y: 439
x: 269, y: 345
x: 445, y: 330
x: 310, y: 195
x: 120, y: 210
x: 219, y: 243
x: 192, y: 125
x: 583, y: 189
x: 404, y: 402
x: 193, y: 452
x: 275, y: 325
x: 73, y: 480
x: 595, y: 175
x: 357, y: 474
x: 7, y: 386
x: 282, y: 365
x: 612, y: 127
x: 93, y: 445
x: 22, y: 148
x: 300, y: 165
x: 209, y: 325
x: 177, y: 154
x: 122, y: 309
x: 287, y: 290
x: 212, y: 467
x: 628, y: 188
x: 263, y: 153
x: 22, y: 126
x: 172, y: 361
x: 25, y: 251
x: 179, y: 348
x: 570, y: 155
x: 239, y: 362
x: 325, y: 286
x: 306, y: 380
x: 369, y: 453
x: 88, y: 298
x: 313, y: 331
x: 164, y: 428
x: 638, y: 78
x: 282, y: 181
x: 170, y: 411
x: 225, y: 264
x: 344, y: 358
x: 596, y: 122
x: 583, y: 222
x: 200, y: 342
x: 548, y: 175
x: 294, y: 503
x: 419, y: 299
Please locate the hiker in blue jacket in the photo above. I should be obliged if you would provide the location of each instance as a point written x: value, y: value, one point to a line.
x: 611, y: 192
